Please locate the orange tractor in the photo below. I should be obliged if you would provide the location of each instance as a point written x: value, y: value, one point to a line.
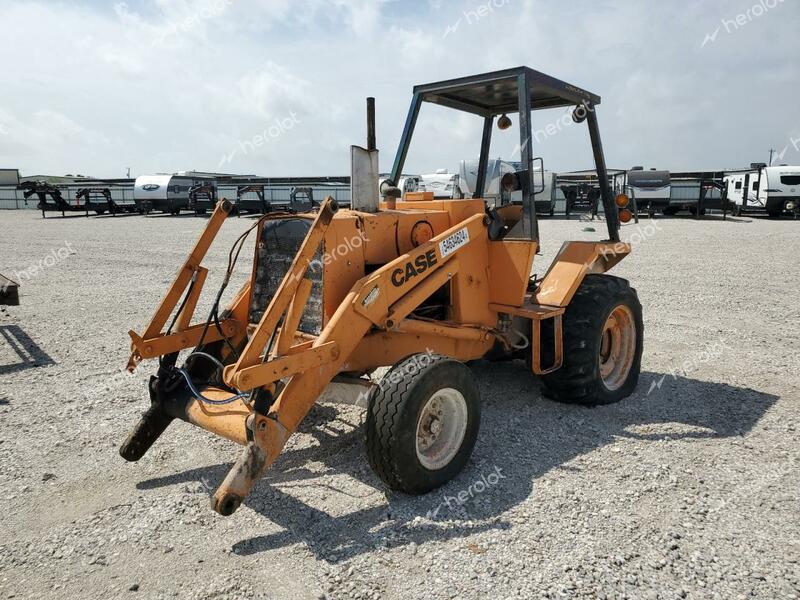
x: 419, y: 285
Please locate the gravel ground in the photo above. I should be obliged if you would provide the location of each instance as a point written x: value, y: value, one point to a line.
x: 687, y: 489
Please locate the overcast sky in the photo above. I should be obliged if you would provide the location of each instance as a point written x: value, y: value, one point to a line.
x: 277, y: 87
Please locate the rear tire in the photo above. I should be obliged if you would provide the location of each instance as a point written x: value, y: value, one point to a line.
x: 422, y: 423
x: 603, y: 334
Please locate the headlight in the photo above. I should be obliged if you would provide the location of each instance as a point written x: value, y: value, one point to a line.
x: 790, y: 206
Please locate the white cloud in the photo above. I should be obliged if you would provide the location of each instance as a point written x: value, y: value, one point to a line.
x: 133, y: 84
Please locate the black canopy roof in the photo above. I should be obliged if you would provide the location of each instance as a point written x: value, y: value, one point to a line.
x: 495, y: 93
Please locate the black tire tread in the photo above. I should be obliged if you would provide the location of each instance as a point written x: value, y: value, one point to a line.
x: 577, y: 381
x: 383, y: 423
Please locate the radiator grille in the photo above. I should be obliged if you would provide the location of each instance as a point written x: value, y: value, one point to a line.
x: 277, y: 247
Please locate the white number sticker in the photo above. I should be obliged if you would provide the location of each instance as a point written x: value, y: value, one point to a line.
x: 453, y: 242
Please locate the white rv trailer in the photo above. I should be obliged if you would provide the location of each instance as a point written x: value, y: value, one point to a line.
x: 651, y: 189
x: 408, y: 183
x: 164, y: 193
x: 442, y: 184
x: 774, y: 190
x: 496, y: 168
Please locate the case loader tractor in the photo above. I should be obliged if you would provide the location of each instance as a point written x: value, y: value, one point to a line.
x: 419, y: 285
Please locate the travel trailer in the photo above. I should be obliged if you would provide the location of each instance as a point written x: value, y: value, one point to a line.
x: 773, y: 190
x: 495, y: 169
x: 651, y: 189
x: 408, y: 183
x: 442, y: 184
x: 164, y: 193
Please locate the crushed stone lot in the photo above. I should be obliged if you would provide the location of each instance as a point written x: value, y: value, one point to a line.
x: 687, y: 489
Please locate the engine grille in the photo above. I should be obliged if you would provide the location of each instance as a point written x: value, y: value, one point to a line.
x: 277, y: 247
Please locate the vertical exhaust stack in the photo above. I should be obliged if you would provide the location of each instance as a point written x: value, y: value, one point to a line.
x: 371, y: 124
x: 364, y: 172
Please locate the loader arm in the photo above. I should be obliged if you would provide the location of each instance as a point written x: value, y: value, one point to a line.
x: 153, y: 342
x: 382, y: 299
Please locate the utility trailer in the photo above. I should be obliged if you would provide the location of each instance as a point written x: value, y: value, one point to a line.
x: 99, y: 200
x: 44, y: 190
x: 423, y: 286
x: 202, y: 197
x: 301, y: 199
x: 696, y: 192
x: 583, y: 191
x: 251, y: 198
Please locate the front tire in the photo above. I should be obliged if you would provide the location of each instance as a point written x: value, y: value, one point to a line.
x: 422, y: 423
x: 603, y: 339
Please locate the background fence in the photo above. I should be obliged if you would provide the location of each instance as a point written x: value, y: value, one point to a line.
x: 12, y: 198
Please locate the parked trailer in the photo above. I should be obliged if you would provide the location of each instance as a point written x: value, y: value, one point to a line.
x: 42, y: 189
x: 202, y: 197
x: 696, y: 192
x: 764, y: 189
x: 164, y: 193
x: 545, y: 198
x: 251, y: 199
x: 100, y: 200
x: 650, y: 189
x: 408, y: 183
x: 444, y: 185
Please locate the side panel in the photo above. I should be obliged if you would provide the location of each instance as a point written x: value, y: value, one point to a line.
x: 574, y: 261
x: 510, y: 264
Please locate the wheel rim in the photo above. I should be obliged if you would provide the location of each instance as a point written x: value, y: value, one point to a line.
x: 617, y: 347
x: 441, y: 428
